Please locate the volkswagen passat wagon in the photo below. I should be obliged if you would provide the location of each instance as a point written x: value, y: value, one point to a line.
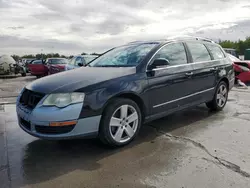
x: 125, y: 87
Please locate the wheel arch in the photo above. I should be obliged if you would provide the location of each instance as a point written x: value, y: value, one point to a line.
x: 226, y: 80
x: 132, y: 96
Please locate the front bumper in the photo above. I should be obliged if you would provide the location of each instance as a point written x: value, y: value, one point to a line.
x: 36, y: 122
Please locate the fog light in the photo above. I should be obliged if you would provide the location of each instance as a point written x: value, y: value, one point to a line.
x: 66, y: 123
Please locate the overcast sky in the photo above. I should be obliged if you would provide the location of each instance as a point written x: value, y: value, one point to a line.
x: 74, y: 26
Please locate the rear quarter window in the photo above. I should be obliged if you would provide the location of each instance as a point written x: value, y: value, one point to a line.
x: 216, y: 51
x: 198, y: 51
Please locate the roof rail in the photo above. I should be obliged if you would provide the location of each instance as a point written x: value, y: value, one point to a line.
x: 138, y: 41
x: 191, y: 37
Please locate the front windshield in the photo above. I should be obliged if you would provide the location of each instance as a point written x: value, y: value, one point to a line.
x: 233, y: 58
x: 58, y: 61
x: 124, y: 56
x: 88, y: 59
x: 37, y: 62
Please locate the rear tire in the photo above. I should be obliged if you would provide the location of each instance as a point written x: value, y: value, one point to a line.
x: 220, y: 97
x: 121, y: 122
x: 23, y: 74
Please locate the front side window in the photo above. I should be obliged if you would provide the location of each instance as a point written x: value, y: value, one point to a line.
x: 216, y: 51
x: 175, y: 53
x: 198, y: 51
x: 124, y: 56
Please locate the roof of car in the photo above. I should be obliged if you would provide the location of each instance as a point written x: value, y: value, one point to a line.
x: 56, y: 58
x: 174, y: 38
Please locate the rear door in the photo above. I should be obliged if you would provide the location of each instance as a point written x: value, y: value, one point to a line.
x: 205, y: 70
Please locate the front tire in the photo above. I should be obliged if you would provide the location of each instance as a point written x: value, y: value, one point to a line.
x: 220, y: 97
x: 121, y: 122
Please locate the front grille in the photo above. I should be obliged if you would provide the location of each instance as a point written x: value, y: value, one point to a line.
x: 30, y: 98
x: 54, y: 130
x: 25, y: 124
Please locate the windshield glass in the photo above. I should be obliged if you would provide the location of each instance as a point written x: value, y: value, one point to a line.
x: 233, y: 58
x: 88, y: 59
x: 37, y: 62
x: 28, y: 61
x: 124, y: 56
x: 57, y: 61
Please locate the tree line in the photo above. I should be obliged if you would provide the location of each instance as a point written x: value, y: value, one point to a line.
x: 45, y: 56
x: 240, y: 45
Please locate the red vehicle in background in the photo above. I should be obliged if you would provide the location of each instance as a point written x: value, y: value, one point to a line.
x: 38, y: 68
x: 241, y: 69
x: 56, y: 65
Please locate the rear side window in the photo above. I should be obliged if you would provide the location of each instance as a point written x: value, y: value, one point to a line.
x: 175, y: 53
x: 216, y: 51
x: 199, y: 52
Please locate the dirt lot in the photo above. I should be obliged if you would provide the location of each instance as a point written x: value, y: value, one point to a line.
x: 190, y: 149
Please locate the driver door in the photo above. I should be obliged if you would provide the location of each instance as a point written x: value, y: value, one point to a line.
x: 170, y: 86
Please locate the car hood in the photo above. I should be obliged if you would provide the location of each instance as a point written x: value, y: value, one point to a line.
x: 72, y: 80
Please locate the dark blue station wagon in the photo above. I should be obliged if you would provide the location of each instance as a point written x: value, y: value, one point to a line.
x: 112, y: 96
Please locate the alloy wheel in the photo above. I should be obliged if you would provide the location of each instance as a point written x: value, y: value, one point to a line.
x: 221, y: 97
x: 123, y: 123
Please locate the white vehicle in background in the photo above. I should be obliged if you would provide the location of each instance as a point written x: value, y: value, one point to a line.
x: 79, y: 61
x: 9, y: 66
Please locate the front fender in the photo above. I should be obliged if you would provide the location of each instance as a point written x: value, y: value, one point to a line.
x: 96, y: 101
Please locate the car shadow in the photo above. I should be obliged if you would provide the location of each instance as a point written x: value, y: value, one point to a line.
x: 46, y: 160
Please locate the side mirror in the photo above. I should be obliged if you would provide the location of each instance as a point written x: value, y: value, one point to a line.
x: 159, y: 63
x: 80, y: 64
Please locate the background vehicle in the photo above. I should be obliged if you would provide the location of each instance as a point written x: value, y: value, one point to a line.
x: 26, y: 62
x: 38, y: 68
x: 247, y: 54
x: 9, y: 66
x: 232, y: 52
x: 112, y: 96
x: 56, y: 65
x: 241, y: 69
x: 79, y: 61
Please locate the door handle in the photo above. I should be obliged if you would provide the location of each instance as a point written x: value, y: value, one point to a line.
x: 189, y: 73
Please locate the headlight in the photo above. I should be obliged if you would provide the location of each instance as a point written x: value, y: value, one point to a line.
x: 63, y: 99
